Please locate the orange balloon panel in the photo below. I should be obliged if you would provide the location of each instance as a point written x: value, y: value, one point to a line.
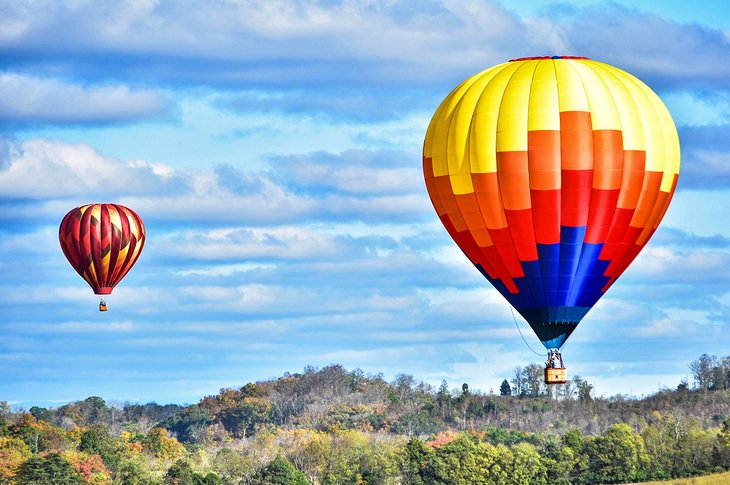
x: 551, y: 174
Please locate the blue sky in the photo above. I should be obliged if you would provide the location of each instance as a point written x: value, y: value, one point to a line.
x: 273, y: 149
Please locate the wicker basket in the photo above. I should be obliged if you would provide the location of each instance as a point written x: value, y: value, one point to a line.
x: 555, y: 375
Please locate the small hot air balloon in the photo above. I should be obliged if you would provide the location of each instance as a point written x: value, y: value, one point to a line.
x: 102, y: 242
x: 551, y: 174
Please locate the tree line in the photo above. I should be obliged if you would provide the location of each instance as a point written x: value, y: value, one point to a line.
x: 334, y: 426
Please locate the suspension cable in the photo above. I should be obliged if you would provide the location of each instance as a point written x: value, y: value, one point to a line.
x: 520, y: 331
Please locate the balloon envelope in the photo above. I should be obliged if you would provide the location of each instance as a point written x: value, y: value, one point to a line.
x: 551, y: 174
x: 102, y: 242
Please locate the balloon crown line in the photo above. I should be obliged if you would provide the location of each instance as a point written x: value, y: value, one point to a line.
x: 535, y: 58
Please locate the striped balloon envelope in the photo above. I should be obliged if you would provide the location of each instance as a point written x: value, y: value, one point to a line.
x: 551, y: 174
x: 102, y: 242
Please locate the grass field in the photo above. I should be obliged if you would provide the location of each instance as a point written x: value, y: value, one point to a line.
x: 717, y: 479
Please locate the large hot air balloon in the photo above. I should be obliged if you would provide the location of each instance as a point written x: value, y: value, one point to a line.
x: 102, y: 242
x: 551, y: 174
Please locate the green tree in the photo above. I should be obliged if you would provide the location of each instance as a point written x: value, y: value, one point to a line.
x: 417, y: 423
x: 618, y: 455
x: 527, y: 467
x: 96, y: 440
x: 661, y: 440
x: 584, y: 389
x: 241, y: 420
x: 573, y: 444
x: 252, y: 389
x: 443, y: 398
x: 189, y: 425
x: 92, y: 440
x: 133, y: 470
x: 465, y: 391
x: 231, y: 465
x: 281, y: 472
x: 4, y: 410
x: 573, y: 439
x: 92, y: 410
x: 695, y: 449
x: 40, y: 413
x: 505, y: 389
x: 560, y: 462
x: 355, y: 457
x: 381, y: 459
x: 182, y: 473
x: 417, y: 458
x: 50, y: 469
x: 722, y: 455
x: 462, y: 461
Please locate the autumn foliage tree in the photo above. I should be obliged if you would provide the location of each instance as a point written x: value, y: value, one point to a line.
x: 333, y: 426
x: 13, y: 453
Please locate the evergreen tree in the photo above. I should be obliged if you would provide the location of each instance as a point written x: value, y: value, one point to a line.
x: 51, y: 469
x: 443, y: 397
x: 505, y: 389
x: 41, y: 413
x: 91, y: 441
x: 4, y: 430
x: 417, y: 458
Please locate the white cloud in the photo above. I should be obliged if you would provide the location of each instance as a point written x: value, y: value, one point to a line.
x: 282, y: 242
x: 435, y: 336
x: 428, y: 361
x: 46, y: 169
x: 707, y: 168
x: 680, y: 265
x: 659, y: 51
x: 123, y: 326
x: 665, y: 328
x: 42, y: 294
x: 263, y: 297
x: 691, y: 108
x: 32, y: 99
x: 34, y: 242
x: 208, y: 294
x: 358, y: 180
x: 225, y: 269
x: 379, y: 39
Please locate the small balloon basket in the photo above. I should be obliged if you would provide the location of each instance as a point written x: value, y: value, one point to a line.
x: 554, y: 368
x: 555, y: 375
x: 102, y: 305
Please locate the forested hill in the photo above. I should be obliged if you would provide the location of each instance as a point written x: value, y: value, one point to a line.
x: 399, y: 431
